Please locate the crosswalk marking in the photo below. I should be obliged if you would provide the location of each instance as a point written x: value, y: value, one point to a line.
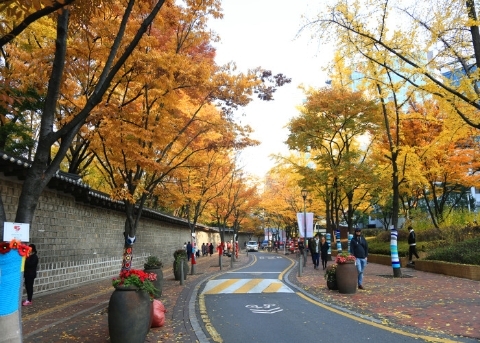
x: 249, y: 285
x: 220, y: 288
x: 240, y: 286
x: 273, y: 288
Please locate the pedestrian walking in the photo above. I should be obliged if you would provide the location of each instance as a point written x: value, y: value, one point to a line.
x: 30, y: 273
x: 189, y: 250
x: 314, y: 247
x: 210, y: 249
x: 324, y: 251
x: 359, y: 249
x: 412, y: 245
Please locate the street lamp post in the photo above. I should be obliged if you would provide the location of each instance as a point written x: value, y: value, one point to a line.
x: 304, y: 196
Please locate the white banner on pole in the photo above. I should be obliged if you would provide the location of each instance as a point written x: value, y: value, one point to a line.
x: 301, y: 225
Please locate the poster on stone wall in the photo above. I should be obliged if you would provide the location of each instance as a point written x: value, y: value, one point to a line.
x: 20, y: 231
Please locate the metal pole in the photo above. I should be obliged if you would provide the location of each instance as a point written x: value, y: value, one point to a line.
x: 181, y: 272
x: 300, y: 265
x: 305, y: 230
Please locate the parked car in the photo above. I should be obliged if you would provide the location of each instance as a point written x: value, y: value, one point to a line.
x: 252, y: 246
x: 265, y: 244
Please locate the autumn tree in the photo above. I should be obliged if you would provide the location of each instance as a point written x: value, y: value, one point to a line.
x: 60, y: 128
x: 331, y: 122
x: 445, y: 149
x: 57, y: 128
x: 421, y: 39
x: 281, y: 199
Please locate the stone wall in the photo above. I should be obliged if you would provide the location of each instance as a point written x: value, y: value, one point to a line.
x: 80, y: 243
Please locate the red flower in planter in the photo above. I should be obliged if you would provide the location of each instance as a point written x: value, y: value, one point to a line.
x: 344, y: 258
x: 137, y: 278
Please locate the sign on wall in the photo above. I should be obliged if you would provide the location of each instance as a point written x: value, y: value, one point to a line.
x: 20, y: 231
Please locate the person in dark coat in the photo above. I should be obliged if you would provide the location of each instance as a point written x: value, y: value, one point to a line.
x: 210, y: 249
x: 359, y: 249
x: 314, y: 247
x: 30, y: 273
x: 189, y: 250
x: 412, y: 245
x: 324, y: 251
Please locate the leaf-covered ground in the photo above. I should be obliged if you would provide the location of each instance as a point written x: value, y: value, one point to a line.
x: 436, y: 303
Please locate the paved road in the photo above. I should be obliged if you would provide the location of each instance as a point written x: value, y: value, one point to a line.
x: 254, y: 304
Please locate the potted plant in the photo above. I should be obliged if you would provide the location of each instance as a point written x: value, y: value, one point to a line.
x: 331, y: 276
x: 346, y: 273
x: 154, y: 265
x: 130, y: 307
x: 180, y: 256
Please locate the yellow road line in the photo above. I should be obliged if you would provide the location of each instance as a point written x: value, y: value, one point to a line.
x: 249, y: 285
x: 203, y: 313
x: 280, y: 276
x: 380, y: 326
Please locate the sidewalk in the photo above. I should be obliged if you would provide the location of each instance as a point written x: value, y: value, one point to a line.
x: 80, y: 314
x: 436, y: 303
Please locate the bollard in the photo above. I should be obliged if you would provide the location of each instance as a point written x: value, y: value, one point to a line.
x: 220, y: 261
x: 300, y: 265
x: 305, y: 258
x: 182, y: 272
x: 231, y: 259
x: 194, y: 262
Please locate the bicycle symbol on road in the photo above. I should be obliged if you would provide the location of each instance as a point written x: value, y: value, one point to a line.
x: 265, y: 308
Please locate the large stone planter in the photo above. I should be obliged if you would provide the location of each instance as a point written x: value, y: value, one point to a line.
x: 466, y: 271
x: 129, y: 315
x: 159, y: 282
x: 347, y: 278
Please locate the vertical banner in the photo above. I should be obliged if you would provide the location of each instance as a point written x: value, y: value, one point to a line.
x: 301, y: 225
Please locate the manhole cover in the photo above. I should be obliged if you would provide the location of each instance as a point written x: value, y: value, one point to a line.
x: 404, y: 276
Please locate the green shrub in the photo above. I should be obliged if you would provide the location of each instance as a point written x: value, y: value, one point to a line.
x: 383, y: 248
x: 372, y: 232
x: 384, y: 236
x: 429, y: 234
x: 467, y: 252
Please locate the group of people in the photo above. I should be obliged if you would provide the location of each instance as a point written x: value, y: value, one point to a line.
x: 205, y: 249
x: 319, y: 250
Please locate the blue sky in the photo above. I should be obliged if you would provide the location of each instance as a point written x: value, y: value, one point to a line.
x: 262, y: 33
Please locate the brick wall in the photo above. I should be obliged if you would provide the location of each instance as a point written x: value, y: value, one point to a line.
x: 79, y: 243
